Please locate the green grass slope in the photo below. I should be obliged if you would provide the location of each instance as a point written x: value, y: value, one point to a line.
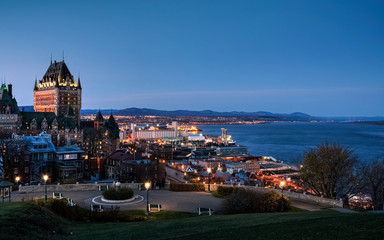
x: 29, y: 221
x: 299, y: 225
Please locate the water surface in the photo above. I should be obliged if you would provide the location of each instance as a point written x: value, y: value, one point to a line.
x: 288, y: 141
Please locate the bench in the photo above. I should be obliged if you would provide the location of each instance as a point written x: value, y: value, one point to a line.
x: 155, y: 207
x: 97, y: 208
x: 208, y: 211
x: 103, y: 187
x: 71, y: 202
x: 57, y: 195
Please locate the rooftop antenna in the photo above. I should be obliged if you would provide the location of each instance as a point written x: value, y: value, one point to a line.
x: 51, y: 58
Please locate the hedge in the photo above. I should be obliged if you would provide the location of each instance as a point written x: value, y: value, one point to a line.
x: 226, y: 191
x: 179, y: 187
x: 118, y: 194
x: 249, y: 201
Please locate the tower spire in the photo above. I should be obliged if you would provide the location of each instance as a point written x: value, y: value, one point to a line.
x: 36, y: 88
x: 63, y: 55
x: 51, y: 58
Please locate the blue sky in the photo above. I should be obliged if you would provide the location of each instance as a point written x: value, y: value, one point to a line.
x: 324, y: 58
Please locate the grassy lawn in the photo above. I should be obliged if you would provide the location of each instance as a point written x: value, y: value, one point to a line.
x: 28, y: 221
x: 298, y: 225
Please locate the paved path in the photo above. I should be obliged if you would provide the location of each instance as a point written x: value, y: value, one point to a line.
x: 307, y: 205
x: 173, y: 201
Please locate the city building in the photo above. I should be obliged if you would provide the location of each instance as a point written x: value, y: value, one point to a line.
x: 70, y: 162
x: 100, y: 139
x: 10, y: 116
x: 121, y: 165
x: 40, y: 155
x: 146, y: 132
x: 58, y: 92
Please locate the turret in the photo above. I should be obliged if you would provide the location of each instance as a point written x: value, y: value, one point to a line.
x: 99, y: 121
x: 36, y: 88
x: 78, y: 83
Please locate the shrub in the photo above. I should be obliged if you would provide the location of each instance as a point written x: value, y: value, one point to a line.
x: 179, y: 187
x: 248, y: 201
x: 226, y: 191
x: 61, y: 208
x: 118, y: 194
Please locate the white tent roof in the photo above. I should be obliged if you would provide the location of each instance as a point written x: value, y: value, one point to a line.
x: 189, y: 169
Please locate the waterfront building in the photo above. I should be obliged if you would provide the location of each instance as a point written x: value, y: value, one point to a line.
x: 232, y: 151
x: 146, y: 132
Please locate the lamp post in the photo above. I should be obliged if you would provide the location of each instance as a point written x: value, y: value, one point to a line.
x: 147, y: 186
x: 45, y: 177
x: 282, y: 183
x: 209, y: 170
x: 17, y: 180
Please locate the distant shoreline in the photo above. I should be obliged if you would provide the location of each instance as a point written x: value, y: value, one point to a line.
x: 370, y: 122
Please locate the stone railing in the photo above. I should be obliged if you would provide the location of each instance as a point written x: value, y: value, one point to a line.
x: 73, y: 187
x: 290, y: 194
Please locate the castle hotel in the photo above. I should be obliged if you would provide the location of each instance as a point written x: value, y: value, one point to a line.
x: 58, y: 92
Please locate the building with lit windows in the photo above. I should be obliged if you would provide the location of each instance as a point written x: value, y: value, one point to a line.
x: 58, y: 92
x: 10, y: 116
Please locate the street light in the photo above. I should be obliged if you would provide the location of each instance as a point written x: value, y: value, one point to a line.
x: 147, y: 186
x: 209, y: 170
x: 45, y: 177
x: 17, y: 180
x: 282, y: 183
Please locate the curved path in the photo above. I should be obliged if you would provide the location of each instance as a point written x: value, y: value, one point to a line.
x: 99, y: 200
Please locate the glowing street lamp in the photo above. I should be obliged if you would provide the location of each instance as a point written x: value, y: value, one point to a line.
x: 17, y: 179
x: 209, y: 170
x: 147, y: 186
x: 45, y: 177
x: 282, y: 183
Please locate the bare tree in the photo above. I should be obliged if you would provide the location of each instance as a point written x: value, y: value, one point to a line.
x: 12, y: 156
x: 329, y: 170
x: 373, y: 182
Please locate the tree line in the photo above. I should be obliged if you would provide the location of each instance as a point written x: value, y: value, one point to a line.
x: 333, y: 171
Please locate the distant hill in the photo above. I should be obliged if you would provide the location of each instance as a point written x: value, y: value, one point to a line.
x: 207, y: 113
x: 296, y: 116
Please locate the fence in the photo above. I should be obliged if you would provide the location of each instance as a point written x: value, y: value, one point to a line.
x: 73, y: 187
x: 290, y: 194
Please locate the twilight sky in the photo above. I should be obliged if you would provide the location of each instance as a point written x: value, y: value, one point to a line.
x: 324, y: 58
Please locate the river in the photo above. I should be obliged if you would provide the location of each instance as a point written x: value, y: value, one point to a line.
x: 288, y: 141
